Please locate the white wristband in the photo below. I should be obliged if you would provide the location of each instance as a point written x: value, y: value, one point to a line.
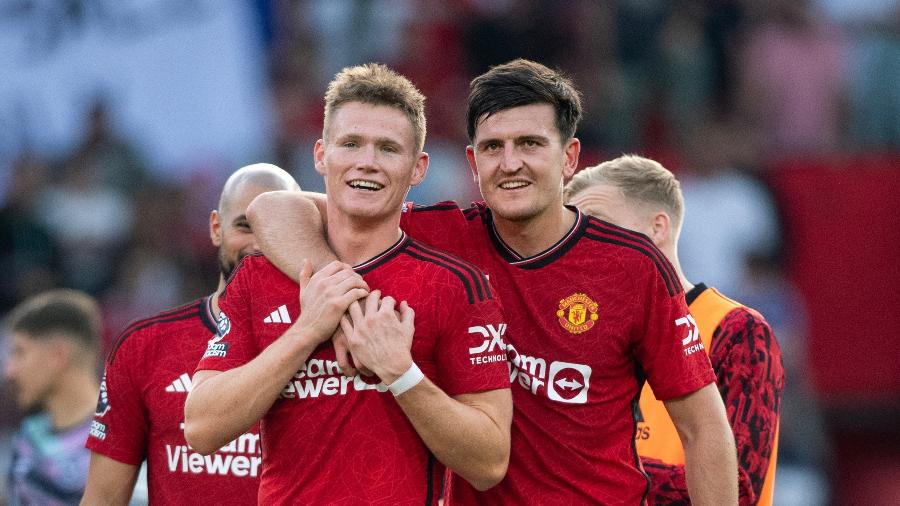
x: 407, y: 380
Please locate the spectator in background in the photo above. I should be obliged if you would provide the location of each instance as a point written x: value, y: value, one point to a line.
x: 53, y: 366
x: 91, y: 220
x: 29, y: 253
x: 640, y: 194
x: 732, y: 215
x: 117, y: 163
x: 793, y: 79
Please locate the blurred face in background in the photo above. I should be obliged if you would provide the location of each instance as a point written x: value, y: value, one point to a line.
x: 607, y: 202
x: 34, y: 366
x: 230, y: 230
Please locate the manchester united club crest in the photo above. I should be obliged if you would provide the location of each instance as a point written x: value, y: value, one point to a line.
x: 577, y: 313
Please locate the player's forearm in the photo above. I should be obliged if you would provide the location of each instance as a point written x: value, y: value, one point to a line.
x: 227, y: 404
x: 290, y: 226
x: 109, y: 482
x: 471, y: 437
x: 711, y: 464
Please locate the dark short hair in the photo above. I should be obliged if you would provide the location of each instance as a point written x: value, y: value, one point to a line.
x: 523, y: 82
x: 61, y: 312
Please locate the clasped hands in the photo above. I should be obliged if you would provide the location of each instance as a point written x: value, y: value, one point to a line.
x: 371, y: 334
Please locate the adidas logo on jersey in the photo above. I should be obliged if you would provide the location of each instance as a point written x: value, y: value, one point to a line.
x: 181, y: 384
x: 280, y: 315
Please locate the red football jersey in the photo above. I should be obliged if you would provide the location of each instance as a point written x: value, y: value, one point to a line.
x: 590, y: 318
x: 140, y: 413
x: 330, y: 439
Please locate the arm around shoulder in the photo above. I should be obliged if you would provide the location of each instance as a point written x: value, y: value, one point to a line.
x: 290, y: 226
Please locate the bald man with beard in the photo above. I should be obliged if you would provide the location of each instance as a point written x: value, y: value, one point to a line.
x: 140, y: 412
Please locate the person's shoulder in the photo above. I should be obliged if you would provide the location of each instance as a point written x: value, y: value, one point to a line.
x: 447, y: 272
x: 257, y: 265
x: 744, y: 320
x: 633, y: 251
x: 446, y: 208
x: 142, y: 332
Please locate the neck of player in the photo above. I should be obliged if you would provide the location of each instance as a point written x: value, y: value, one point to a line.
x: 73, y: 400
x: 534, y: 235
x: 355, y: 241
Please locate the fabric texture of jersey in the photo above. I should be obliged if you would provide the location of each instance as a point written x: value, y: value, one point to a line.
x: 589, y: 318
x: 140, y: 413
x: 747, y: 361
x: 329, y: 439
x: 48, y: 467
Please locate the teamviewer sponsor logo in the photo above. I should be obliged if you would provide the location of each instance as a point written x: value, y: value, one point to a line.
x: 323, y: 378
x: 564, y: 382
x: 568, y: 382
x: 491, y: 347
x: 240, y: 458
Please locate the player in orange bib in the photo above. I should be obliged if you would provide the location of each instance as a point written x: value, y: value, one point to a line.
x: 640, y: 194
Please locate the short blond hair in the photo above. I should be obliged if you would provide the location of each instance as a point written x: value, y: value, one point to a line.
x: 640, y: 179
x: 374, y: 83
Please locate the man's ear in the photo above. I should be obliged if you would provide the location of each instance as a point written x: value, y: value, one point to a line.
x: 661, y: 229
x: 420, y: 169
x: 215, y: 228
x: 572, y: 151
x: 319, y: 156
x: 470, y: 155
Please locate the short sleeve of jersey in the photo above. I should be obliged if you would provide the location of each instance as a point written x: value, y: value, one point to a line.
x: 120, y: 425
x: 233, y: 345
x: 442, y: 225
x: 669, y: 350
x: 471, y: 353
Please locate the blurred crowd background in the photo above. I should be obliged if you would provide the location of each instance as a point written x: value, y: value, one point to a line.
x: 120, y: 120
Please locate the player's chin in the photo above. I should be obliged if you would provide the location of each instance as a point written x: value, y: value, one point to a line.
x: 515, y: 210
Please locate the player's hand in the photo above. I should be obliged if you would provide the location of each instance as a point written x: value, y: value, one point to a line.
x: 344, y: 359
x: 381, y: 336
x: 325, y: 296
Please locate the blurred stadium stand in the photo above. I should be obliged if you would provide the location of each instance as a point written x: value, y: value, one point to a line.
x: 121, y: 120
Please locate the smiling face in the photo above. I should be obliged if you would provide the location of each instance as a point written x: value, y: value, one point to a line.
x: 369, y: 160
x: 520, y: 161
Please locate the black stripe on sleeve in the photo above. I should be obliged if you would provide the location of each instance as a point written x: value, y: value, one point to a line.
x: 602, y: 227
x: 671, y: 287
x: 194, y: 312
x: 481, y: 283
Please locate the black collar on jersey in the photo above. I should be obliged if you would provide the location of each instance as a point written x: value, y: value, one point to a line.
x: 379, y: 259
x: 545, y: 257
x: 206, y: 314
x: 695, y: 292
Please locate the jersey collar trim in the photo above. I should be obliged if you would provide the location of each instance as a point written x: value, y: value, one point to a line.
x: 548, y: 255
x: 695, y: 292
x: 206, y: 314
x: 381, y: 258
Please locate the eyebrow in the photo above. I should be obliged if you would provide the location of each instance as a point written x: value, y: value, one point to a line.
x: 239, y: 218
x: 517, y: 140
